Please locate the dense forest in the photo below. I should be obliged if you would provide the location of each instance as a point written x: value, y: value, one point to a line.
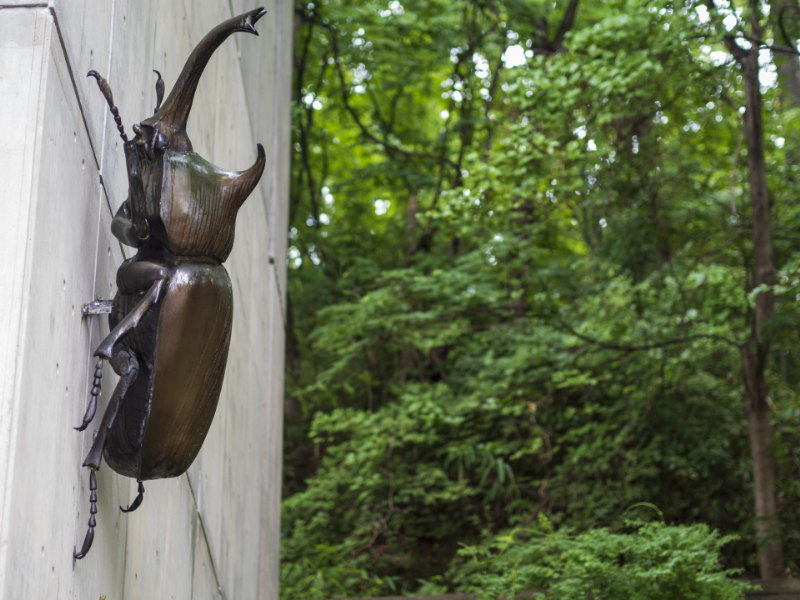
x: 543, y: 298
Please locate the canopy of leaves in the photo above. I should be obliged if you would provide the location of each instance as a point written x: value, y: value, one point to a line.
x: 520, y: 272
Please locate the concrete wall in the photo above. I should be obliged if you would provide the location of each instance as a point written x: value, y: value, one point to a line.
x: 214, y: 532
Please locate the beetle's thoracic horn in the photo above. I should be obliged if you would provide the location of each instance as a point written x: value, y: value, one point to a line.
x: 175, y: 110
x: 246, y: 181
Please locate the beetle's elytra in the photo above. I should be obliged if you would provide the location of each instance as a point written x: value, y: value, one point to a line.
x: 171, y: 317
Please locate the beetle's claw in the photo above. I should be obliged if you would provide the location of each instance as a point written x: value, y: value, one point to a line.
x: 137, y: 502
x: 87, y: 541
x: 87, y: 545
x: 93, y: 394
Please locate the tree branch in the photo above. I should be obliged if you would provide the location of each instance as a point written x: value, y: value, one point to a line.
x: 662, y: 344
x: 761, y: 44
x: 733, y: 169
x: 566, y: 24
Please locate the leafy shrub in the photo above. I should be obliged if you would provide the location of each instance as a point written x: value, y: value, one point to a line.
x: 650, y: 561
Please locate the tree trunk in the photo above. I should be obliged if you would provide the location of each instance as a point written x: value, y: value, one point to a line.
x: 784, y: 19
x: 756, y: 349
x: 760, y: 431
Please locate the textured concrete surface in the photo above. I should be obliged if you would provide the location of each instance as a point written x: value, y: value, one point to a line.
x: 214, y: 532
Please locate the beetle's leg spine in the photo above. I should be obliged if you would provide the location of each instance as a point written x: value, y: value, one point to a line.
x: 93, y: 394
x: 87, y: 541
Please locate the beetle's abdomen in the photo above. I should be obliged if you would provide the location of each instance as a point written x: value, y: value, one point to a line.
x: 194, y: 330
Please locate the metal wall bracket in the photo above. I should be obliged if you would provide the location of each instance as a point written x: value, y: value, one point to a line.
x: 97, y: 307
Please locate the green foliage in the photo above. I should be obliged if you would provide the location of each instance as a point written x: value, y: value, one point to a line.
x: 650, y: 562
x: 518, y: 291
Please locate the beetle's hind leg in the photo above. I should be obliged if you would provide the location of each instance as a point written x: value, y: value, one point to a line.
x: 92, y: 408
x: 137, y: 502
x: 87, y: 541
x: 127, y: 367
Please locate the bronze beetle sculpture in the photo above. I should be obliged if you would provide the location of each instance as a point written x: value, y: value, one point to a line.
x: 171, y: 317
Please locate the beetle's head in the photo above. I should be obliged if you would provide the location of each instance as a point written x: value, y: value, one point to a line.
x: 150, y: 139
x: 167, y: 128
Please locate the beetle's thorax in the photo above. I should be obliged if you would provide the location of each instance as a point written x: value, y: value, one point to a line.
x: 191, y: 204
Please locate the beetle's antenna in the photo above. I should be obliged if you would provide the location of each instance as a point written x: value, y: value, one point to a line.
x: 92, y: 408
x: 159, y: 91
x: 106, y: 90
x: 137, y: 502
x: 87, y: 541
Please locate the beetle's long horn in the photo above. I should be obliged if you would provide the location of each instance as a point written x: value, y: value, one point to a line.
x: 246, y: 181
x: 175, y: 110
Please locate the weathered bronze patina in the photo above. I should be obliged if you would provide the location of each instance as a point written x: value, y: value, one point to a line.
x: 171, y: 317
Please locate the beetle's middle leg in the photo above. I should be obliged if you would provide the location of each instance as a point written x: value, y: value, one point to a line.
x: 132, y: 278
x: 92, y: 407
x: 127, y: 367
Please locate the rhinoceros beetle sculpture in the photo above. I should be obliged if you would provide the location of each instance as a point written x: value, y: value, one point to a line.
x: 170, y: 319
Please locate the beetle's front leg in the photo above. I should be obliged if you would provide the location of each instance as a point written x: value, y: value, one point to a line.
x: 122, y: 226
x: 132, y: 278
